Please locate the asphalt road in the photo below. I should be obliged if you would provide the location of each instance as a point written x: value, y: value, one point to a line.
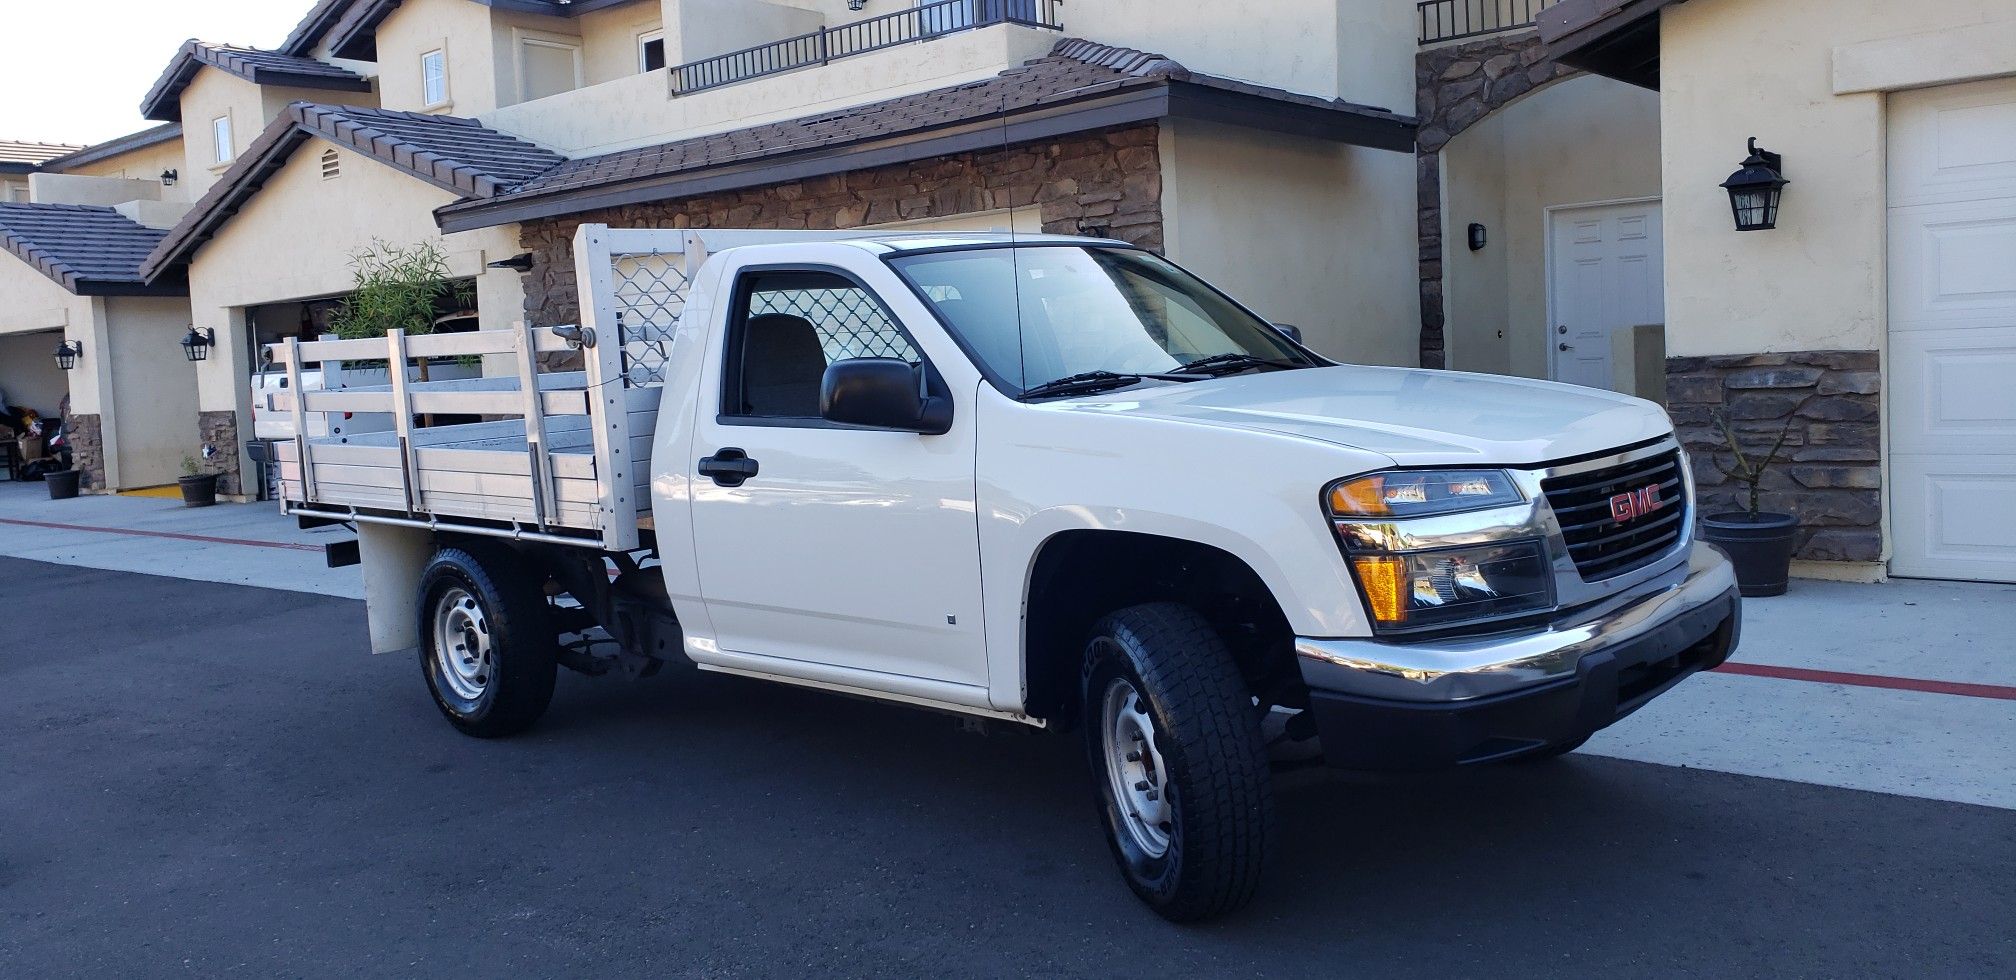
x: 209, y: 780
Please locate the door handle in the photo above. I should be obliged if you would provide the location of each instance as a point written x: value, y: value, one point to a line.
x: 728, y: 467
x: 1567, y: 346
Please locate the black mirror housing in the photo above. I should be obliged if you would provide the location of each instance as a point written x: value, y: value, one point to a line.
x: 882, y: 393
x: 1291, y: 331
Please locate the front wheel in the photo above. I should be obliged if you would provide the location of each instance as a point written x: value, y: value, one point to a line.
x: 487, y: 645
x: 1179, y: 765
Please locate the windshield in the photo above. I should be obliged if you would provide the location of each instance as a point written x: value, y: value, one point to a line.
x: 1036, y: 314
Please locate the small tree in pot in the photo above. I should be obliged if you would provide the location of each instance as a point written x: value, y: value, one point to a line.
x: 398, y: 288
x: 199, y: 489
x: 1759, y: 542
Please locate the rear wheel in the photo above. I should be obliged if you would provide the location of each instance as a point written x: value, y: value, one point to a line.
x: 487, y: 645
x: 1179, y: 766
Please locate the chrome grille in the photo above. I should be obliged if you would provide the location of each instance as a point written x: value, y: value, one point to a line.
x: 1602, y: 546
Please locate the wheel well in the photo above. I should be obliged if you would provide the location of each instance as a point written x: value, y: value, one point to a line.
x: 1082, y: 575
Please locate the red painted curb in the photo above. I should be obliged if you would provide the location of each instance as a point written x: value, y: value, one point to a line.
x: 134, y: 532
x: 1992, y: 691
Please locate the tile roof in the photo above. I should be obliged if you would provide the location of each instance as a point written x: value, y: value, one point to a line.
x: 314, y: 27
x: 455, y: 154
x: 163, y: 101
x: 90, y: 251
x: 16, y: 157
x: 113, y: 147
x: 1075, y: 71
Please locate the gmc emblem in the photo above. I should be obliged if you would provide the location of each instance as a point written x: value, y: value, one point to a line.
x: 1636, y: 504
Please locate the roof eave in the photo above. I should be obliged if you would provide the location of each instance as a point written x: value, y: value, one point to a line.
x: 1125, y: 106
x: 1614, y: 38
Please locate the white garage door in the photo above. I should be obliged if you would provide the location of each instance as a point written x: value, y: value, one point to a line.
x: 1952, y: 364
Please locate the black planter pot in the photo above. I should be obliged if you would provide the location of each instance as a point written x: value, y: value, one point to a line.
x: 199, y: 491
x: 63, y: 484
x: 1760, y: 546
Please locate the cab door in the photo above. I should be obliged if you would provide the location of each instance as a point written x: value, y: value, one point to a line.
x: 825, y: 551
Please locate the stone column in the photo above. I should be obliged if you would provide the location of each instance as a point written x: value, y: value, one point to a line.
x: 1830, y: 474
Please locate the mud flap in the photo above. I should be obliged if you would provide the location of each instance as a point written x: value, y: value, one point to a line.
x: 393, y: 559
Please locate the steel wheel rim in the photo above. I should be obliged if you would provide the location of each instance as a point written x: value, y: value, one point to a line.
x: 463, y: 654
x: 1135, y: 769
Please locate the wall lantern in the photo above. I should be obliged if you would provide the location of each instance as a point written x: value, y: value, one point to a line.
x: 196, y: 345
x: 67, y: 354
x: 1755, y: 189
x: 1478, y: 237
x: 169, y: 177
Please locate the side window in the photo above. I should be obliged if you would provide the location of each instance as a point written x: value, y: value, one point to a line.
x: 788, y: 328
x: 220, y: 139
x: 434, y: 78
x: 651, y: 51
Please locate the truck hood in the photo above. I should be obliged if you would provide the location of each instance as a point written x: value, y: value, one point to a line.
x: 1415, y: 417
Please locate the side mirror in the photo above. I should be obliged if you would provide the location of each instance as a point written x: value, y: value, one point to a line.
x: 882, y: 393
x: 1291, y: 331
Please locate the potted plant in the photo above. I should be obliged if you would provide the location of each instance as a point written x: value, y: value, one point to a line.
x: 400, y: 288
x: 199, y: 489
x: 1758, y: 542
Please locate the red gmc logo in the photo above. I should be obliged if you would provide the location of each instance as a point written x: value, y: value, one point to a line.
x: 1636, y: 504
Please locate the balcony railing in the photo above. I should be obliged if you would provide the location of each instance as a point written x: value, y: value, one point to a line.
x: 920, y: 23
x: 1454, y: 20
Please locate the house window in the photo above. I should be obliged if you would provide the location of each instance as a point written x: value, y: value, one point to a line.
x: 547, y: 66
x: 651, y: 51
x: 220, y: 139
x: 434, y: 78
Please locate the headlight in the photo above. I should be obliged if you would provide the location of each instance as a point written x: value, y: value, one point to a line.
x: 1421, y: 493
x: 1425, y: 589
x: 1433, y: 587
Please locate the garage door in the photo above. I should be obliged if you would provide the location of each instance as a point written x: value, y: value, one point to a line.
x: 1952, y: 362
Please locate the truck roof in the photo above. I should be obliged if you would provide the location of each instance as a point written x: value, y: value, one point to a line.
x: 916, y: 241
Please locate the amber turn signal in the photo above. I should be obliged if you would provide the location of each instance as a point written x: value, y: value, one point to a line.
x: 1384, y: 579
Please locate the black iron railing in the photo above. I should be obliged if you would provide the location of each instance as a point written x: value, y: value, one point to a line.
x: 1453, y: 20
x: 920, y: 23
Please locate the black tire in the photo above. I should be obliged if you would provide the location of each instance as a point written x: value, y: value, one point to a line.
x: 1212, y: 758
x: 520, y: 657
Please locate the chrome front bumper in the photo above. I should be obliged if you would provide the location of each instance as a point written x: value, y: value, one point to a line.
x: 1459, y: 670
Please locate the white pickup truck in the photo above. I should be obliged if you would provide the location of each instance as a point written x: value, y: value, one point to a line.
x: 1049, y: 481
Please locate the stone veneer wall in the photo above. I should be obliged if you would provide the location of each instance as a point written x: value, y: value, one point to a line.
x: 1830, y: 474
x: 220, y: 429
x: 86, y: 436
x: 1107, y: 183
x: 1455, y: 87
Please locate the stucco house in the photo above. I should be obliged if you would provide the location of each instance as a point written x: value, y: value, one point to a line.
x: 71, y: 275
x: 1529, y: 187
x: 1590, y: 139
x: 502, y: 125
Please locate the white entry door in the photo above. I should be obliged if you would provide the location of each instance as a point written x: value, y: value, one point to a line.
x: 1605, y: 274
x: 1952, y: 363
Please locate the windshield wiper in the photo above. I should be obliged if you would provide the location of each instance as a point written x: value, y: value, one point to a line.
x: 1091, y: 381
x: 1235, y: 361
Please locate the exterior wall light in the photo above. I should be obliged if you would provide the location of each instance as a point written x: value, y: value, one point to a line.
x: 197, y: 343
x: 1755, y: 189
x: 169, y: 177
x: 67, y: 354
x: 1478, y: 237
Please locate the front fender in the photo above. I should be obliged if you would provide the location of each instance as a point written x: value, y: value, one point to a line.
x: 1254, y: 494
